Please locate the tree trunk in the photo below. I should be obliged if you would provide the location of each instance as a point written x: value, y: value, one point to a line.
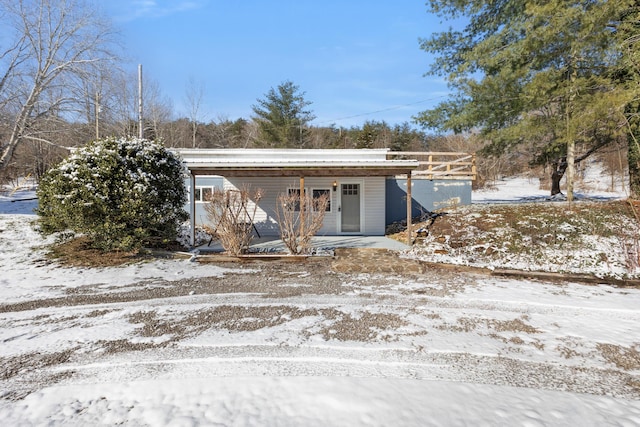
x: 559, y: 169
x: 7, y: 155
x: 633, y: 154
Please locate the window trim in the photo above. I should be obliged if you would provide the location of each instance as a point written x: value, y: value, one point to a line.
x: 199, y: 193
x: 297, y: 203
x: 326, y: 190
x: 311, y: 191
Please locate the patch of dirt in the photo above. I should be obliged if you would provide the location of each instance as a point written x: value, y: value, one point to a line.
x: 515, y: 325
x: 468, y: 324
x: 79, y: 253
x: 337, y: 325
x: 124, y: 345
x: 276, y: 280
x: 244, y: 318
x: 627, y: 358
x: 152, y: 326
x: 24, y: 363
x: 366, y: 327
x: 273, y: 282
x: 26, y: 373
x: 374, y: 260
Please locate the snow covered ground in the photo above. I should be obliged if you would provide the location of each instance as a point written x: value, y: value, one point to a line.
x: 536, y: 232
x: 177, y: 343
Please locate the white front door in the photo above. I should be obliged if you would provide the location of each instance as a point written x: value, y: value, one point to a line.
x: 350, y: 207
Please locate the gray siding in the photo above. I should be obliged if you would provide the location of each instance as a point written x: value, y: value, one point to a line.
x: 426, y: 195
x: 383, y: 199
x: 206, y: 182
x: 373, y: 191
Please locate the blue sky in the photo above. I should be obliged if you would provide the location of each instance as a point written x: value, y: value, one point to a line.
x: 356, y: 60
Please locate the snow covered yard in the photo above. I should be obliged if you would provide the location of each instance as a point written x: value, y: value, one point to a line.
x: 172, y: 342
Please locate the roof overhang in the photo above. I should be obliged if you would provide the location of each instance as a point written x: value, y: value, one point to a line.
x: 296, y: 162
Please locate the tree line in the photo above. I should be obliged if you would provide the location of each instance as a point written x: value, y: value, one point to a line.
x: 545, y: 83
x: 62, y: 84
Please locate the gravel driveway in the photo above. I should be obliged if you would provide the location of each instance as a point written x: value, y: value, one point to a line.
x: 326, y: 316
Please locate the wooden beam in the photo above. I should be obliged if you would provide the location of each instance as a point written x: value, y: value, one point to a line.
x: 296, y: 172
x: 426, y: 153
x: 192, y: 208
x: 409, y: 210
x: 302, y: 196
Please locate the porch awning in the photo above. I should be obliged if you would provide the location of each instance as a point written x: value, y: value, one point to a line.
x: 301, y: 163
x: 293, y: 162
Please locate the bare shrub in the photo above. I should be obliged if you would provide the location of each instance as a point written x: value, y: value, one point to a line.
x: 233, y: 213
x: 300, y: 219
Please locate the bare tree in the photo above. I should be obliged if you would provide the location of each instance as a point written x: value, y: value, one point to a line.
x: 117, y: 98
x: 193, y: 98
x: 232, y: 212
x: 158, y: 107
x: 300, y: 219
x: 54, y: 47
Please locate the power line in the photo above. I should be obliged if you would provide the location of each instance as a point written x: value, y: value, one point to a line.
x: 396, y: 107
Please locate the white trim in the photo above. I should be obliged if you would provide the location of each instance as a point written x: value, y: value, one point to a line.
x: 331, y: 198
x: 200, y: 188
x: 297, y: 189
x: 298, y: 158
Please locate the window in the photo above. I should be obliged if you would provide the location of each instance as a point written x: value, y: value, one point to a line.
x: 319, y: 192
x: 350, y: 189
x: 316, y: 193
x: 294, y: 196
x: 206, y: 193
x: 202, y: 194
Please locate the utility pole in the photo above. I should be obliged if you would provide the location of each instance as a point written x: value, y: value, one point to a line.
x: 140, y: 125
x: 97, y: 115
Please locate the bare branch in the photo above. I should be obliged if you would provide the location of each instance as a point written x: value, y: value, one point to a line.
x: 298, y: 224
x: 233, y: 213
x: 58, y: 46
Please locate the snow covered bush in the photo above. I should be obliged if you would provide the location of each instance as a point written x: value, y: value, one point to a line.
x: 121, y: 193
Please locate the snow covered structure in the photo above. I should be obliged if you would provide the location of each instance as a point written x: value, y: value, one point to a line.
x: 367, y: 188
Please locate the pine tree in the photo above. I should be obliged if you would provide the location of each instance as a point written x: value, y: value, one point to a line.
x: 534, y: 72
x: 282, y: 117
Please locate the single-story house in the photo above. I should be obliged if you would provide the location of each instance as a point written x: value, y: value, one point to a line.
x: 353, y: 179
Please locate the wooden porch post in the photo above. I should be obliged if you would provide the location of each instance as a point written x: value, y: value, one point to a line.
x: 192, y: 208
x: 302, y: 196
x: 409, y: 210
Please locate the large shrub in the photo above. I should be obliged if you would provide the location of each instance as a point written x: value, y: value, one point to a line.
x: 121, y: 193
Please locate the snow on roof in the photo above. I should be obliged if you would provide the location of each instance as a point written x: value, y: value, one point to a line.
x: 291, y: 158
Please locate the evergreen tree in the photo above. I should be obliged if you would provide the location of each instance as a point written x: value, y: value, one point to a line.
x: 628, y: 35
x: 535, y: 72
x: 282, y: 117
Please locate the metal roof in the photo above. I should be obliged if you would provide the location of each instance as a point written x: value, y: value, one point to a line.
x: 290, y: 162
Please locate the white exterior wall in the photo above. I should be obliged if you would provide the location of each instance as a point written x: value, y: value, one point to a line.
x: 372, y: 201
x: 374, y: 208
x: 265, y: 218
